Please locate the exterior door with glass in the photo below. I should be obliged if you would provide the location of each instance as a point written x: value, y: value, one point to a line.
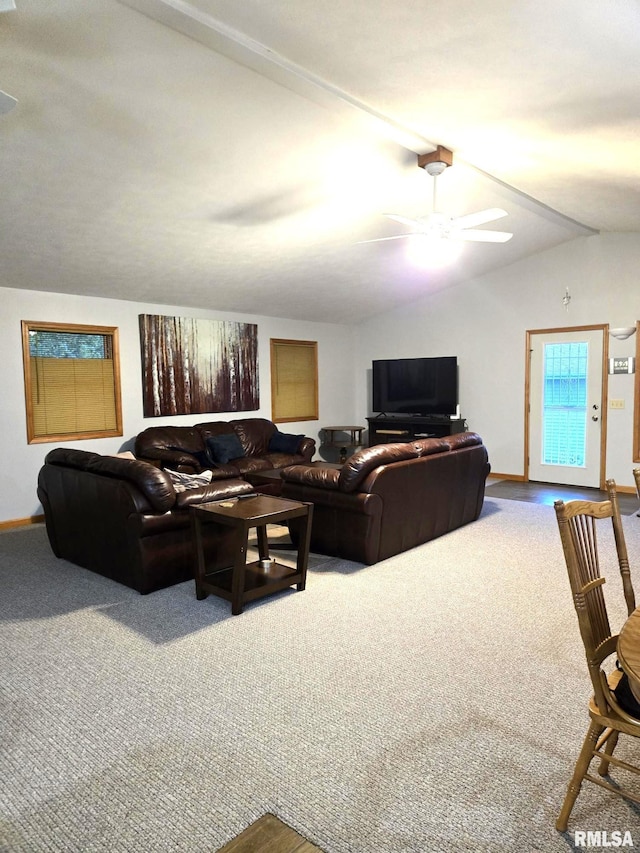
x: 565, y: 406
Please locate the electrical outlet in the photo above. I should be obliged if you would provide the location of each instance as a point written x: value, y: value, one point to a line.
x: 616, y: 404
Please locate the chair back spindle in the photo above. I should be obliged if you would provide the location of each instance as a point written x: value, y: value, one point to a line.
x: 621, y: 546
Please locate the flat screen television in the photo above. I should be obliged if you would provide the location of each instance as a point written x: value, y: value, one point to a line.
x: 416, y: 386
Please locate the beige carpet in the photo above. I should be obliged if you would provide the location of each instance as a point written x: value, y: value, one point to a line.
x: 433, y: 702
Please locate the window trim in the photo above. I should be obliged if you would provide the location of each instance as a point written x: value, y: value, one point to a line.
x: 112, y: 332
x: 275, y: 343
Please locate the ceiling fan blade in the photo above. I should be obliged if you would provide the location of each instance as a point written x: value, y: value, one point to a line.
x: 479, y: 218
x: 412, y: 223
x: 382, y: 239
x: 481, y: 236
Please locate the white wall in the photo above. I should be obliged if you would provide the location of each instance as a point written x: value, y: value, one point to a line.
x: 484, y: 323
x: 21, y: 461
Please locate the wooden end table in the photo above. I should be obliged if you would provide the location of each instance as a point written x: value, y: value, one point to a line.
x: 354, y: 440
x: 244, y: 581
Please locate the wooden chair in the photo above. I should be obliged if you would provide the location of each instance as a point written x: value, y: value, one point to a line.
x: 578, y: 521
x: 636, y: 477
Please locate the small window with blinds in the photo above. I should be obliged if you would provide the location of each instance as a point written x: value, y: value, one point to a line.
x: 294, y: 380
x: 71, y: 380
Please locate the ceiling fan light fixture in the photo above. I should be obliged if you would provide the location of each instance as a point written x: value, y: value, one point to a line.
x: 441, y: 226
x: 432, y: 251
x: 436, y: 168
x: 435, y: 162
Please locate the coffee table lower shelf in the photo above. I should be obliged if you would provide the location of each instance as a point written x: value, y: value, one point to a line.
x: 257, y: 581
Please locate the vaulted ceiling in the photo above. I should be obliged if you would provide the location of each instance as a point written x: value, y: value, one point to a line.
x: 234, y: 155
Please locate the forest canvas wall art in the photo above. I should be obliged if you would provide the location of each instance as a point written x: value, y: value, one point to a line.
x: 192, y: 365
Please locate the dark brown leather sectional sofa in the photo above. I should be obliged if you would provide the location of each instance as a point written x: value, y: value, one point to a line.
x: 123, y: 518
x: 391, y: 497
x: 259, y: 444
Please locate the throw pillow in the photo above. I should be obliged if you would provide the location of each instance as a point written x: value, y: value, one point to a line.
x: 224, y: 448
x: 283, y: 442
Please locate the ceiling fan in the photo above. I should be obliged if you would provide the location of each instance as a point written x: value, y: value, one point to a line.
x: 439, y: 225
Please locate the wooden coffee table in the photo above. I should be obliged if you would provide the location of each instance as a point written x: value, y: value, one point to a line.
x: 244, y: 581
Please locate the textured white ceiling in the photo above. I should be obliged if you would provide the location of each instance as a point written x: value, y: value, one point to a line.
x: 232, y: 155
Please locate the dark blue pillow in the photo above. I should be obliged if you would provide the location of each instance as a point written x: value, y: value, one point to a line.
x: 224, y: 448
x: 282, y: 442
x: 203, y: 458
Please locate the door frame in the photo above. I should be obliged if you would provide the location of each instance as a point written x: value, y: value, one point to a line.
x: 605, y: 385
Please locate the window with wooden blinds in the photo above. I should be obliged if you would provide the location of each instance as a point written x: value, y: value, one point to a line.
x: 294, y: 380
x: 72, y: 381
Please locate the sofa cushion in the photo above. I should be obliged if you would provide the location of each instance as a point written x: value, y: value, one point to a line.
x: 283, y: 460
x: 462, y: 439
x: 249, y: 465
x: 312, y: 475
x: 363, y: 461
x: 254, y: 434
x: 201, y: 457
x: 187, y: 439
x: 205, y: 430
x: 223, y: 448
x: 284, y: 442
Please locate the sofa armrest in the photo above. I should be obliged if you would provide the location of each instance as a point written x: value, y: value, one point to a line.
x: 307, y: 448
x: 312, y: 475
x: 218, y: 490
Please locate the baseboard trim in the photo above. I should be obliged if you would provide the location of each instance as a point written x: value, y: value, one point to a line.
x: 518, y: 478
x: 21, y: 522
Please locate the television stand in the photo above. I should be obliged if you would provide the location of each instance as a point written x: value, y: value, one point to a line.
x: 386, y: 429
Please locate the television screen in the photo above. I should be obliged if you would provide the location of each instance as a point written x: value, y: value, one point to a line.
x: 416, y: 386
